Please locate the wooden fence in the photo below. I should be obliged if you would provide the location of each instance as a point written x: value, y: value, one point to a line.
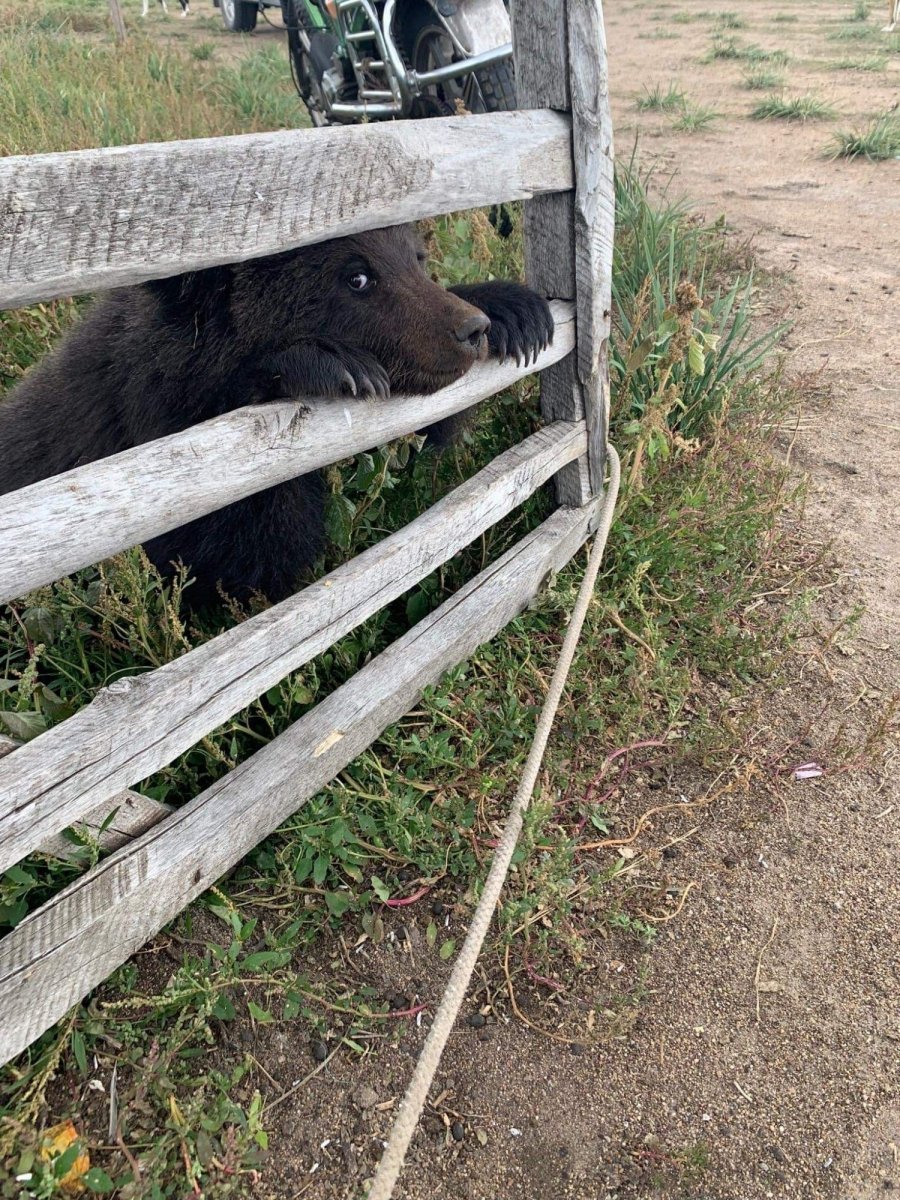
x: 82, y: 221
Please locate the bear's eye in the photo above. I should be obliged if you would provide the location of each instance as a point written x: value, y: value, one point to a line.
x: 359, y: 281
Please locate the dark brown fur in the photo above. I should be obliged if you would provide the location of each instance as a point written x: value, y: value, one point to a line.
x: 151, y: 360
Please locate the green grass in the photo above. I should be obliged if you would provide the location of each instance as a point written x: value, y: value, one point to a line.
x: 786, y: 18
x: 730, y: 49
x: 854, y: 33
x: 62, y: 92
x: 758, y: 54
x: 879, y: 141
x: 656, y: 100
x: 759, y: 79
x: 861, y: 11
x: 694, y: 117
x: 874, y: 62
x: 796, y: 108
x: 698, y: 518
x: 730, y: 20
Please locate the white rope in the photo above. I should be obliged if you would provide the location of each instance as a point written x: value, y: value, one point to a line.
x: 445, y: 1017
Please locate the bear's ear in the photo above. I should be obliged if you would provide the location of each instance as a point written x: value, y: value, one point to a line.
x: 180, y: 295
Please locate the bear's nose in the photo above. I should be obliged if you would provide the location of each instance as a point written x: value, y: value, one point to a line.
x: 472, y: 330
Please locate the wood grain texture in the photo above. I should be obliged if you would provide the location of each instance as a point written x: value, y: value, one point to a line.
x: 77, y: 222
x: 75, y: 519
x: 540, y: 41
x: 74, y: 941
x: 134, y: 815
x: 139, y: 724
x: 540, y: 52
x: 594, y: 214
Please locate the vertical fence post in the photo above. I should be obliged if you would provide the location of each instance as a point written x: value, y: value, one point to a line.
x: 115, y: 11
x: 560, y: 61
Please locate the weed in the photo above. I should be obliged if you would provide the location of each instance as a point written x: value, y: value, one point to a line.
x: 657, y: 100
x: 203, y: 51
x: 730, y: 20
x: 798, y: 108
x: 879, y: 141
x: 874, y: 62
x: 724, y: 48
x: 861, y: 11
x: 758, y: 79
x: 693, y: 118
x: 757, y: 54
x: 854, y: 33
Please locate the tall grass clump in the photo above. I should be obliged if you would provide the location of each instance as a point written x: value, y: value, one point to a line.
x: 61, y: 92
x: 655, y: 99
x: 796, y: 108
x: 879, y: 141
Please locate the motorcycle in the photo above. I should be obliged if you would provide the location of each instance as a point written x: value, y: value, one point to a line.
x: 367, y: 60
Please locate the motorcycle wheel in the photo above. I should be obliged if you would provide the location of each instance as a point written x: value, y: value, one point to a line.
x: 492, y: 89
x: 302, y: 72
x: 428, y: 46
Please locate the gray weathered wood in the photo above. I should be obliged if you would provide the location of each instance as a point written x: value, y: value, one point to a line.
x: 144, y: 721
x: 118, y: 20
x: 93, y: 219
x: 542, y: 80
x: 595, y: 205
x: 134, y: 815
x: 568, y: 238
x: 75, y: 519
x: 75, y: 940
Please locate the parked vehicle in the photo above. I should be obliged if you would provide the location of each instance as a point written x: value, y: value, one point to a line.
x: 355, y: 60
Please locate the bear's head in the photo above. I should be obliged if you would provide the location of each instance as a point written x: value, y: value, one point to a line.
x: 369, y: 290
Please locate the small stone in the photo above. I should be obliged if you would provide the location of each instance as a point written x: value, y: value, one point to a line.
x: 398, y: 1003
x: 576, y: 1048
x: 365, y: 1097
x: 319, y: 1051
x: 433, y: 1125
x: 477, y: 1021
x: 778, y: 1154
x: 669, y: 852
x: 888, y: 1185
x: 438, y: 909
x: 730, y: 861
x: 458, y: 1131
x: 402, y: 933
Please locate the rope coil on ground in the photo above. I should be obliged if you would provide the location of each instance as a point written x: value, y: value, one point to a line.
x: 417, y: 1092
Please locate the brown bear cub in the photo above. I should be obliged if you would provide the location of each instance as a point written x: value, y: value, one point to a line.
x: 353, y: 316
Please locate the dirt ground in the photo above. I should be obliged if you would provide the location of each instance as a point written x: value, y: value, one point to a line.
x: 757, y: 1051
x: 756, y: 1047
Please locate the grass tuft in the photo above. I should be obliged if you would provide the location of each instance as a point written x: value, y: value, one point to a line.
x: 694, y: 118
x: 861, y: 11
x: 878, y: 142
x: 656, y: 100
x: 786, y: 18
x: 798, y: 108
x: 730, y: 20
x: 758, y: 79
x: 874, y: 62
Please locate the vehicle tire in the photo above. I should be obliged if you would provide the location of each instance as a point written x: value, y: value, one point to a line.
x: 492, y: 89
x: 303, y: 70
x: 238, y: 15
x: 427, y: 45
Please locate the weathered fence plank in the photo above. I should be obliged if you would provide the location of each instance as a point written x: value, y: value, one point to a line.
x: 142, y: 722
x: 595, y: 207
x: 91, y: 219
x: 568, y: 237
x: 75, y: 519
x: 75, y: 940
x: 134, y: 815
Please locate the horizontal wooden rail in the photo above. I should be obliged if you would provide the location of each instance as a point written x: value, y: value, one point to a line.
x: 73, y: 942
x: 78, y: 518
x: 77, y: 222
x: 139, y: 724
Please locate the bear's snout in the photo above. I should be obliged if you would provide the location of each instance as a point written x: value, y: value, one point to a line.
x: 472, y: 331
